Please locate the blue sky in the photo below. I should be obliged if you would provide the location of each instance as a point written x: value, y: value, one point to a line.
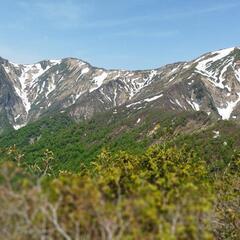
x: 128, y: 34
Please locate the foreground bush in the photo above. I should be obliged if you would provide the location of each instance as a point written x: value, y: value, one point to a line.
x: 165, y: 194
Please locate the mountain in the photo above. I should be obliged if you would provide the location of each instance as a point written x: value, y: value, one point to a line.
x: 210, y: 83
x: 156, y: 140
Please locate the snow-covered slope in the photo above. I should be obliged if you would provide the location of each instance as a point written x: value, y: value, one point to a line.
x: 221, y: 68
x: 23, y: 79
x: 210, y: 83
x: 59, y: 84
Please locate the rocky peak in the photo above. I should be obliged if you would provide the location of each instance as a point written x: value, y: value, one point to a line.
x: 210, y: 83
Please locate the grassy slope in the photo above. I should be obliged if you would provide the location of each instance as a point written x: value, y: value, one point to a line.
x: 216, y: 149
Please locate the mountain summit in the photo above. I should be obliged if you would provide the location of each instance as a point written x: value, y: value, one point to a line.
x: 210, y: 83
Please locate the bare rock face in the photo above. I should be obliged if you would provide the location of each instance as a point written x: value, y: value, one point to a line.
x: 210, y: 83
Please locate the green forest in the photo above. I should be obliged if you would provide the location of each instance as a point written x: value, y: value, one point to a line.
x: 173, y: 176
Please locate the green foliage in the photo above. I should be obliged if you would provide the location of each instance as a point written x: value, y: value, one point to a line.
x: 228, y: 198
x: 217, y: 151
x: 165, y: 193
x: 162, y: 195
x: 74, y: 143
x: 79, y: 183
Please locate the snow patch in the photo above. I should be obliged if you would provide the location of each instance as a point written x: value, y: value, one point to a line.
x: 153, y: 98
x: 204, y: 65
x: 17, y: 117
x: 55, y: 62
x: 85, y: 70
x: 115, y: 98
x: 186, y: 66
x: 226, y: 112
x: 98, y: 81
x: 29, y: 76
x: 190, y: 83
x: 135, y: 81
x: 105, y: 95
x: 174, y: 70
x: 178, y: 103
x: 78, y: 95
x: 16, y: 127
x: 145, y: 100
x: 216, y: 134
x: 194, y: 105
x: 51, y: 86
x: 133, y: 104
x: 42, y: 87
x: 237, y: 73
x: 152, y: 74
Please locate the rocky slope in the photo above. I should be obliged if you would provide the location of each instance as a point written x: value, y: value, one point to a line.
x: 210, y: 83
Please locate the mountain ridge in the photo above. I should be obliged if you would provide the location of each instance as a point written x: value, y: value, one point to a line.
x: 210, y: 83
x: 123, y: 69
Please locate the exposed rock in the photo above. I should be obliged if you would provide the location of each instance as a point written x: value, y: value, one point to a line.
x: 210, y: 83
